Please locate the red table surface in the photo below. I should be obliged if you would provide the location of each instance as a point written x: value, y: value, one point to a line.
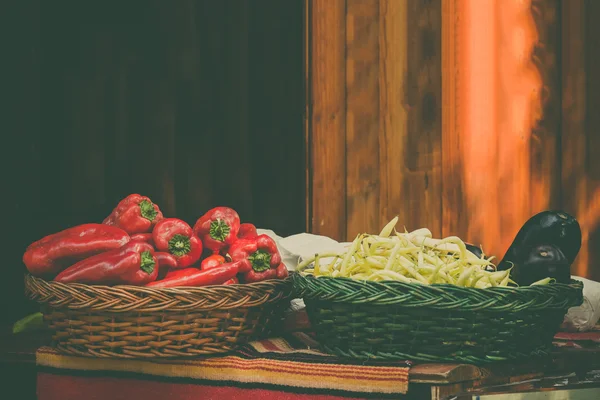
x: 65, y: 387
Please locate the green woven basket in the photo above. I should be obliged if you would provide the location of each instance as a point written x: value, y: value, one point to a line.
x: 437, y: 323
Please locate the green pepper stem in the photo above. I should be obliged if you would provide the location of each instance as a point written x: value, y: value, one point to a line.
x: 260, y: 260
x: 179, y: 245
x: 147, y: 265
x: 219, y: 230
x: 147, y: 210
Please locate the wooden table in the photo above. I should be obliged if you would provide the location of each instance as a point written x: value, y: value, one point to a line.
x: 568, y: 369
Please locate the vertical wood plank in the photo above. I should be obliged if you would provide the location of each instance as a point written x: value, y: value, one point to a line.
x: 117, y: 134
x: 410, y: 113
x: 362, y: 117
x: 393, y: 65
x: 455, y: 215
x: 545, y: 137
x: 592, y: 129
x: 86, y: 102
x: 327, y: 116
x: 422, y: 153
x: 153, y: 108
x: 190, y: 46
x: 516, y: 100
x: 278, y: 163
x: 236, y: 135
x: 574, y: 109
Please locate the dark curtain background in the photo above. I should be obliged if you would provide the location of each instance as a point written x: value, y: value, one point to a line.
x: 195, y: 103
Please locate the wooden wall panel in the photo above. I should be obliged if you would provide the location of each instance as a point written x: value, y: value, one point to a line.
x: 573, y: 138
x: 593, y: 139
x: 473, y: 150
x: 545, y: 187
x: 580, y: 127
x: 392, y: 100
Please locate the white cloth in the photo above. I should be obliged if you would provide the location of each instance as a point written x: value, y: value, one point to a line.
x: 584, y: 317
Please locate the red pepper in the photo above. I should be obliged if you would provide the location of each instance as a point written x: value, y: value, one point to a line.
x: 132, y: 264
x: 176, y: 237
x: 53, y: 253
x: 212, y: 261
x: 166, y: 260
x: 213, y: 276
x: 232, y: 281
x: 253, y: 276
x: 259, y: 256
x: 282, y: 271
x: 247, y: 231
x: 180, y: 272
x: 143, y: 237
x: 135, y: 214
x: 218, y: 228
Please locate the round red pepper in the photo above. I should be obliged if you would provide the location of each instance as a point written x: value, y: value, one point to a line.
x: 135, y: 214
x: 166, y: 261
x: 218, y: 228
x: 259, y: 258
x: 247, y: 230
x: 212, y: 261
x: 143, y: 237
x: 282, y: 271
x: 176, y: 237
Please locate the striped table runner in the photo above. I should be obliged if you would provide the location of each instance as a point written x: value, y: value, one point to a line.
x: 285, y: 363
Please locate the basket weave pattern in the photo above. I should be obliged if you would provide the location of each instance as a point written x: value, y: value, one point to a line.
x: 436, y: 323
x: 141, y: 322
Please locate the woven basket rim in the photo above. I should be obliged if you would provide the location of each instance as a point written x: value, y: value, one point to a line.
x: 439, y: 296
x: 127, y: 298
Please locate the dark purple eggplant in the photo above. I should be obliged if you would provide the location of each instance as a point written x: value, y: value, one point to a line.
x: 555, y: 228
x: 540, y: 262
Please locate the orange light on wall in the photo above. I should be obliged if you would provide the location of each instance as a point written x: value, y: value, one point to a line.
x: 498, y: 103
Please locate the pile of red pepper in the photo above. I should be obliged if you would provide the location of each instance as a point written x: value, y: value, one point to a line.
x: 137, y: 245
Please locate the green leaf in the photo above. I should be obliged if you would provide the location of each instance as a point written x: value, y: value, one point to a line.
x: 31, y: 322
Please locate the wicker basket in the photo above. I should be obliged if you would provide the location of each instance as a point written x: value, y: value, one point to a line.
x: 141, y: 322
x: 437, y: 323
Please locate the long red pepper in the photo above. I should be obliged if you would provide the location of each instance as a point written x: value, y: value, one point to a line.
x: 213, y: 276
x: 232, y: 281
x: 53, y: 253
x: 180, y: 272
x: 132, y: 264
x: 212, y: 261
